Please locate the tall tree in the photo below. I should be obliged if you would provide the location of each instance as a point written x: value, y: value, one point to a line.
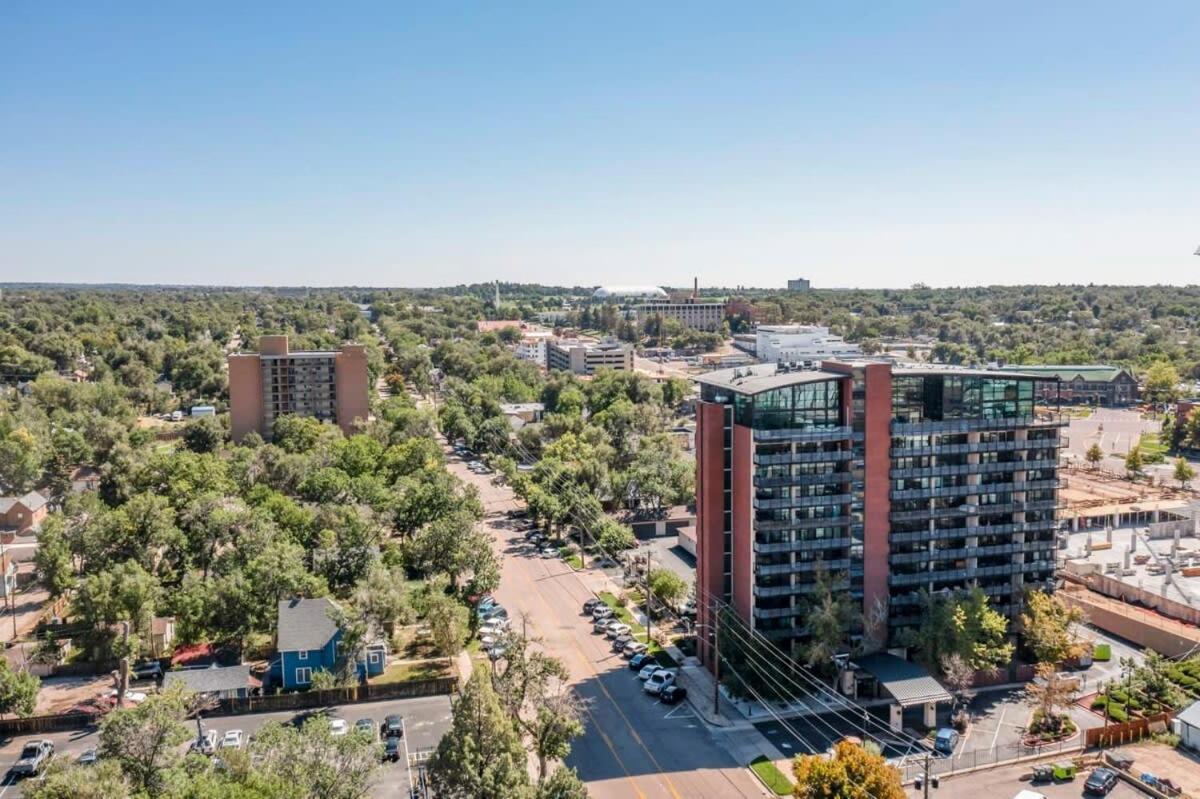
x: 144, y: 739
x: 851, y: 773
x: 965, y: 624
x: 1047, y: 626
x: 480, y: 757
x: 18, y: 690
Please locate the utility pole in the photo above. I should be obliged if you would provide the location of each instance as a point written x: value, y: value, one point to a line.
x: 925, y: 782
x: 649, y: 596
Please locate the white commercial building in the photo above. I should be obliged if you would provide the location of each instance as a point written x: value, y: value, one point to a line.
x: 532, y: 346
x: 786, y: 343
x: 587, y: 357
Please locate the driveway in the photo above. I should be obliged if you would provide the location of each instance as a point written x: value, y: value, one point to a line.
x: 1006, y: 782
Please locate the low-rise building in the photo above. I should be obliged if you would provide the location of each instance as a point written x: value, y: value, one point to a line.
x: 309, y: 640
x: 532, y: 346
x: 800, y: 343
x: 589, y: 357
x: 24, y: 513
x: 522, y: 413
x: 1098, y: 384
x: 690, y: 312
x: 213, y: 682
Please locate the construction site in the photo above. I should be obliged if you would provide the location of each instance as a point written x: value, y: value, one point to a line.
x: 1138, y: 544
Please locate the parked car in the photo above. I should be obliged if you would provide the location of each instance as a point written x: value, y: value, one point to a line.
x: 494, y: 612
x: 496, y: 651
x: 591, y: 604
x: 35, y: 755
x: 648, y: 670
x: 640, y: 660
x: 549, y: 552
x: 602, y: 624
x: 366, y: 727
x: 147, y: 670
x: 232, y: 740
x: 132, y: 697
x: 338, y: 727
x: 634, y: 648
x: 393, y: 726
x: 945, y: 741
x: 658, y: 681
x: 206, y: 744
x: 1100, y: 782
x: 88, y: 757
x: 617, y: 630
x: 601, y: 612
x: 620, y: 641
x: 391, y: 749
x: 672, y: 694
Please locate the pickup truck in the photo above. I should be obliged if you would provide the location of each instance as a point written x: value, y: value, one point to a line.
x: 34, y: 758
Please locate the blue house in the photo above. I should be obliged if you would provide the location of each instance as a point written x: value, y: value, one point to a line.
x: 309, y: 640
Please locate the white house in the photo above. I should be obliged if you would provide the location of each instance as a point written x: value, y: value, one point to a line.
x: 1187, y: 726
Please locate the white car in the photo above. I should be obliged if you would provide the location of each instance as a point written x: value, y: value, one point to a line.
x: 617, y: 630
x: 658, y: 681
x: 232, y: 740
x: 601, y: 612
x: 338, y: 727
x: 549, y: 552
x: 648, y: 671
x: 132, y: 697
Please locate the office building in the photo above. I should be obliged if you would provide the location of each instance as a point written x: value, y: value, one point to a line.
x: 1110, y: 386
x: 328, y: 385
x: 799, y: 284
x: 799, y: 343
x: 891, y: 480
x: 690, y: 312
x: 588, y: 357
x: 532, y: 346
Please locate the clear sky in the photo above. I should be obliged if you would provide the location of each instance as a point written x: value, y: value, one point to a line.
x: 868, y: 143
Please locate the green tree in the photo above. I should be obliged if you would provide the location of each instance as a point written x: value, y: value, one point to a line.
x: 533, y: 690
x: 1094, y: 455
x: 851, y: 773
x: 1047, y: 628
x: 205, y: 434
x: 667, y: 587
x: 451, y: 546
x: 1134, y: 465
x: 21, y: 458
x: 144, y: 739
x: 64, y: 780
x: 1162, y: 382
x: 447, y: 619
x: 827, y: 614
x: 564, y: 783
x: 965, y: 624
x: 1184, y: 472
x: 480, y: 757
x: 312, y: 763
x: 382, y: 599
x: 18, y: 690
x: 612, y: 537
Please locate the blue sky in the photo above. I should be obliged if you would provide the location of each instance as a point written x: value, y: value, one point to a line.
x: 855, y: 143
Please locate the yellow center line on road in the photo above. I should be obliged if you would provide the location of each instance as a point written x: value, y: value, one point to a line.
x: 616, y: 706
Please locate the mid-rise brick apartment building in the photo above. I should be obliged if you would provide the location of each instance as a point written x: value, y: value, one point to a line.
x: 890, y: 479
x: 330, y: 385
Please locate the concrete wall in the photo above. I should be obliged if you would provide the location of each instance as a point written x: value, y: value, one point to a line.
x: 1135, y: 625
x: 353, y: 387
x: 245, y: 395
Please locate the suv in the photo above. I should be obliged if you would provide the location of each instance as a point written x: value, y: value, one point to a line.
x: 945, y: 741
x: 393, y: 726
x: 34, y: 757
x: 591, y: 604
x: 1100, y: 782
x: 147, y: 670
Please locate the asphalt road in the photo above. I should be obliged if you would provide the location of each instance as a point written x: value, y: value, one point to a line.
x: 632, y: 746
x: 426, y: 719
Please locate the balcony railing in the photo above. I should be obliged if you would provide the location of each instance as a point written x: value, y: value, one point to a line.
x: 777, y: 503
x: 826, y: 478
x: 800, y: 524
x: 945, y: 470
x: 977, y: 488
x: 765, y: 548
x: 978, y: 446
x: 971, y: 425
x: 768, y: 459
x: 807, y: 434
x: 962, y: 532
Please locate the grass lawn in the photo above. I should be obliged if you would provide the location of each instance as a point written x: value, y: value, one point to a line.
x: 1152, y: 448
x: 637, y: 630
x: 410, y: 645
x: 412, y: 672
x: 773, y: 777
x: 572, y: 558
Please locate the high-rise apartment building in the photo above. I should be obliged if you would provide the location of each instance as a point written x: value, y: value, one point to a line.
x: 891, y: 480
x: 329, y: 385
x: 690, y: 312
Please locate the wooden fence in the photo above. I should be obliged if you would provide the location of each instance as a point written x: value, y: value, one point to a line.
x: 1125, y: 732
x: 302, y: 700
x: 36, y: 724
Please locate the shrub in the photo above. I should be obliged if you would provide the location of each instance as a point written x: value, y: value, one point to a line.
x: 1099, y: 702
x: 1117, y: 712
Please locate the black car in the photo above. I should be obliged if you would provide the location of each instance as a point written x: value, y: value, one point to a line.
x: 391, y: 749
x: 672, y: 694
x: 638, y: 661
x: 590, y: 605
x: 393, y: 726
x: 619, y: 642
x: 1100, y: 782
x: 147, y: 670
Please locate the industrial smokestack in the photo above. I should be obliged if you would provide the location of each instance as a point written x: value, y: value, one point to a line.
x: 695, y: 288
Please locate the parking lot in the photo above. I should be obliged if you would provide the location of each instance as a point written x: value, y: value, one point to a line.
x: 426, y: 720
x: 1006, y: 782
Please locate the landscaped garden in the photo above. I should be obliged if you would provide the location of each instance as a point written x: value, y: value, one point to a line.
x: 1155, y: 687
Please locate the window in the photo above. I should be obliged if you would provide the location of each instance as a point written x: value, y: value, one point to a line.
x: 303, y: 655
x: 303, y: 675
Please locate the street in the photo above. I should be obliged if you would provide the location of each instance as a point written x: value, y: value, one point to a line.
x: 632, y: 746
x: 426, y: 719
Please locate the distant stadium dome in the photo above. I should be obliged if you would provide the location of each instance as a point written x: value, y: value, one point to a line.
x: 613, y: 292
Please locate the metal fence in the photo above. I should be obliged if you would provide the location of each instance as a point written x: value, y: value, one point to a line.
x: 914, y: 766
x: 301, y: 700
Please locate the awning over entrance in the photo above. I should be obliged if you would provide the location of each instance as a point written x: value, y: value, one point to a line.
x: 907, y: 682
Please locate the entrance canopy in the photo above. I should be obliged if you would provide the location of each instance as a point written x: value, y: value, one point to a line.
x: 907, y: 682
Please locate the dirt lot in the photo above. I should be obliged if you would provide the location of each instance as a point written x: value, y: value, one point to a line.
x: 1180, y: 766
